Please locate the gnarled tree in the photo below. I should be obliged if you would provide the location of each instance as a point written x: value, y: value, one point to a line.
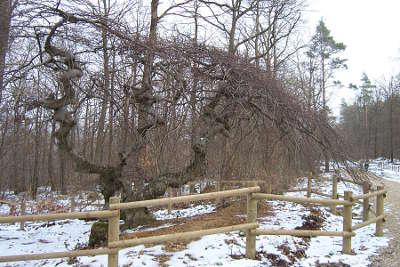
x: 235, y: 95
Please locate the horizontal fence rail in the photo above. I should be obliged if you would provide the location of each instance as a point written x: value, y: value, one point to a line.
x: 55, y: 255
x: 250, y: 182
x: 304, y: 233
x: 181, y: 236
x: 10, y: 203
x: 369, y: 195
x: 370, y: 221
x: 60, y: 216
x: 174, y: 200
x: 297, y: 190
x: 319, y: 201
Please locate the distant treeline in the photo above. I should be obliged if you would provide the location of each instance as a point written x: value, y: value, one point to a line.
x: 372, y: 123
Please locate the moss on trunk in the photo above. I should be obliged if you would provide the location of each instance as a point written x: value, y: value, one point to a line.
x: 98, y: 234
x: 136, y: 217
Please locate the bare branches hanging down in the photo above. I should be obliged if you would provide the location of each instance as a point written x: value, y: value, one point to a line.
x: 144, y: 110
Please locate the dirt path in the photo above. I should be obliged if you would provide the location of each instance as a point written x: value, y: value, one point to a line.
x: 390, y: 256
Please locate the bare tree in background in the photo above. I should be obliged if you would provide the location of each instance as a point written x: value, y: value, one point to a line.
x: 6, y: 7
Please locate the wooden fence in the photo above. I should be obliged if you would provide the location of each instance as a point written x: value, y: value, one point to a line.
x: 393, y: 167
x: 251, y: 227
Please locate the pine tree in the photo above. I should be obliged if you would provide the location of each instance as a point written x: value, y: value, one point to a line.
x: 324, y: 51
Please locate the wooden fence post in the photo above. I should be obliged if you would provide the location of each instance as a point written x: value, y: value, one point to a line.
x: 334, y: 193
x: 366, y: 188
x: 113, y: 233
x: 73, y: 203
x: 379, y: 212
x: 309, y: 179
x: 250, y: 235
x: 192, y: 187
x: 347, y: 222
x: 170, y: 203
x: 218, y: 188
x: 23, y: 210
x: 191, y: 190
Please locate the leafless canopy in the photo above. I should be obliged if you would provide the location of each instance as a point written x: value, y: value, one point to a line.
x: 163, y: 93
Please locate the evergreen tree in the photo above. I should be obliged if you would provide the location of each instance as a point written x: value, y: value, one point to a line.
x: 323, y: 51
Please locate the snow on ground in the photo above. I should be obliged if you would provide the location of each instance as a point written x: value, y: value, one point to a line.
x: 213, y: 250
x: 220, y: 250
x: 50, y: 201
x: 43, y: 237
x: 184, y: 213
x: 384, y: 168
x: 328, y: 249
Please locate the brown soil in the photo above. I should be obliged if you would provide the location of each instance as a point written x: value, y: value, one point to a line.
x: 224, y: 216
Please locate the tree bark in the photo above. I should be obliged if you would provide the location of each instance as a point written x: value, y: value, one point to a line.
x: 35, y: 176
x: 5, y: 21
x: 101, y: 134
x: 50, y: 157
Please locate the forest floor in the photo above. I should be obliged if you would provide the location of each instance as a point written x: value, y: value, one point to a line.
x: 220, y: 249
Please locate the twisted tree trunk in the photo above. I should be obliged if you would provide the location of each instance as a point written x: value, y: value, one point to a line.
x: 128, y: 176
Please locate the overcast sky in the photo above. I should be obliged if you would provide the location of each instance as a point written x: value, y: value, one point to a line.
x: 371, y: 31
